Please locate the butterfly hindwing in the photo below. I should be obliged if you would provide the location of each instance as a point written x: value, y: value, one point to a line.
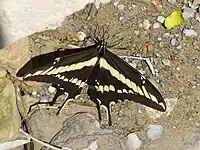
x: 135, y: 86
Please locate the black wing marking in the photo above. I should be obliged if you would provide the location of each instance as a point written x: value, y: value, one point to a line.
x: 131, y: 78
x: 49, y: 58
x: 117, y: 80
x: 70, y: 73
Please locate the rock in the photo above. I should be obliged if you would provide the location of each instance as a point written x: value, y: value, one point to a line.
x: 3, y: 73
x: 181, y: 139
x: 170, y: 103
x: 133, y: 142
x: 161, y: 19
x: 166, y: 35
x: 10, y: 120
x: 83, y: 131
x: 121, y: 18
x: 188, y: 12
x: 15, y: 27
x: 156, y: 25
x: 166, y: 62
x: 189, y: 32
x: 154, y: 132
x: 81, y: 36
x: 121, y: 7
x: 174, y: 42
x: 9, y: 57
x: 172, y: 1
x: 146, y: 24
x: 51, y: 89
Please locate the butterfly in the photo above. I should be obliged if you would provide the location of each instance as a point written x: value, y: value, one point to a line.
x: 108, y: 77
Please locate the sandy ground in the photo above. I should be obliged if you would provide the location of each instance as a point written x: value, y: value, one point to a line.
x: 180, y: 79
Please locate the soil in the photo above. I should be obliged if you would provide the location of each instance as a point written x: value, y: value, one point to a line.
x: 180, y: 79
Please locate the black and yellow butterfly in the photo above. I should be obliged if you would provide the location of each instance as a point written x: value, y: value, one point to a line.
x: 112, y: 79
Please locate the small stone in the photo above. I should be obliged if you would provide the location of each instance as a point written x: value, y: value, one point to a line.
x: 197, y: 18
x: 161, y: 19
x: 133, y: 142
x: 172, y: 1
x: 3, y: 73
x: 121, y: 7
x: 159, y: 39
x: 137, y: 32
x: 188, y: 12
x: 156, y: 25
x: 81, y: 36
x: 179, y: 47
x: 34, y: 93
x: 189, y: 33
x: 154, y: 132
x: 166, y: 35
x: 174, y: 42
x: 116, y: 3
x: 146, y: 24
x: 166, y: 62
x: 121, y: 18
x: 51, y: 89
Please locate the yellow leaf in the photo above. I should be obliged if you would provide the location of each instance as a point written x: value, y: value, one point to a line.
x: 174, y: 19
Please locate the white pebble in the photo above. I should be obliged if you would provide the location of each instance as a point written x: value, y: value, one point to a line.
x: 146, y: 24
x: 34, y: 93
x: 188, y: 12
x: 166, y: 62
x: 189, y: 33
x: 174, y: 42
x: 137, y: 32
x: 179, y: 47
x: 115, y: 3
x: 172, y: 1
x: 81, y: 36
x: 154, y: 132
x: 165, y: 35
x: 161, y: 19
x: 121, y: 18
x: 159, y: 39
x: 121, y: 7
x: 156, y: 25
x: 51, y: 89
x: 198, y: 18
x: 133, y: 142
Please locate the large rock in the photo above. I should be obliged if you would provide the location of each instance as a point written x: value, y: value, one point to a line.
x: 9, y: 117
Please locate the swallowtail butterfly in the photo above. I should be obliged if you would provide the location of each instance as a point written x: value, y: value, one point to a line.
x: 111, y: 79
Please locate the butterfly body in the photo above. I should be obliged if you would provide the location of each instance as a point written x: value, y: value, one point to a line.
x: 108, y: 77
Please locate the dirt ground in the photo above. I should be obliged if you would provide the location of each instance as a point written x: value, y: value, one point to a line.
x: 180, y: 79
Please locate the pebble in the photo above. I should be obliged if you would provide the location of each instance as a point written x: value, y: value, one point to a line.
x: 166, y: 62
x: 116, y: 3
x: 146, y: 24
x: 189, y: 33
x: 121, y: 18
x: 197, y: 18
x: 3, y: 73
x: 51, y: 89
x: 188, y: 12
x: 133, y: 142
x: 156, y: 25
x: 166, y: 35
x: 154, y: 132
x: 34, y: 93
x: 174, y: 42
x: 121, y: 7
x: 161, y: 19
x: 172, y: 1
x: 81, y: 36
x: 137, y: 32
